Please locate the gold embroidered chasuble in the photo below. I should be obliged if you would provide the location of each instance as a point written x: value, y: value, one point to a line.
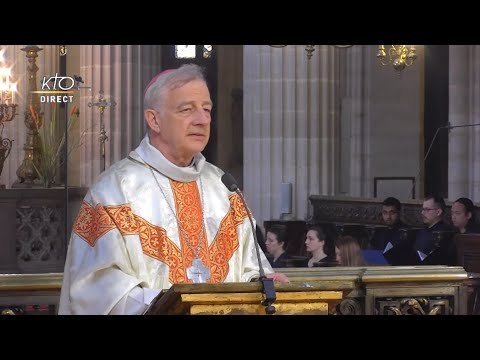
x: 126, y: 236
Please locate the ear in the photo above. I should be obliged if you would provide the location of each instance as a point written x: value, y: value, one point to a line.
x: 469, y: 215
x: 151, y: 117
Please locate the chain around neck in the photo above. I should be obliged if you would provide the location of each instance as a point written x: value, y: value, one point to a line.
x: 196, y: 250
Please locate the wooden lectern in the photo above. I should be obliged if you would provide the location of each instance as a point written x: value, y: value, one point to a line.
x: 242, y: 299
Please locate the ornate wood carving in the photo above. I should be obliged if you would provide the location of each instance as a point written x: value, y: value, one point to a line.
x: 40, y: 234
x: 414, y: 306
x: 350, y: 306
x: 36, y: 228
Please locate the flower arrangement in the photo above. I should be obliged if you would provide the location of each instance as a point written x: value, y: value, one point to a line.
x: 52, y: 145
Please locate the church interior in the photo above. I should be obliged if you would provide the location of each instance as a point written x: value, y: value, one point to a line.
x: 313, y: 134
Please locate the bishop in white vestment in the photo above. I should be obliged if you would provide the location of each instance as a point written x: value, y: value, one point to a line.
x: 127, y: 244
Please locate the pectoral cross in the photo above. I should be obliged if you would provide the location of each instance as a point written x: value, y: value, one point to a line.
x: 198, y: 272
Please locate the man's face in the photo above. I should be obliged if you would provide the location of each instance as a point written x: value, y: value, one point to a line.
x: 184, y: 122
x: 431, y: 214
x: 460, y: 216
x: 389, y: 215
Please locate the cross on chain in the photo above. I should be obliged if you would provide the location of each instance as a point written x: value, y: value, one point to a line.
x: 198, y: 272
x: 102, y: 104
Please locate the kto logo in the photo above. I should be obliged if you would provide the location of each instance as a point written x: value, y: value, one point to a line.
x: 59, y: 89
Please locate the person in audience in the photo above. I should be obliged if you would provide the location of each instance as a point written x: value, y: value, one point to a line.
x: 434, y: 245
x: 316, y: 245
x: 433, y: 210
x: 348, y: 252
x: 276, y: 244
x: 391, y: 209
x: 463, y: 216
x: 260, y: 238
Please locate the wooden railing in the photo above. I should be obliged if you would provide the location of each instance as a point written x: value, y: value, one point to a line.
x: 365, y: 290
x: 30, y: 294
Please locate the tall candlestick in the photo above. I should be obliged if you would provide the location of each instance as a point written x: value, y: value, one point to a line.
x: 14, y: 90
x: 7, y: 110
x: 26, y: 172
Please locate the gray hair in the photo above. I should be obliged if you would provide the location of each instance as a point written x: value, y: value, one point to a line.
x: 155, y: 94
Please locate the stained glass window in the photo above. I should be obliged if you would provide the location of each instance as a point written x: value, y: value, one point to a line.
x: 185, y: 51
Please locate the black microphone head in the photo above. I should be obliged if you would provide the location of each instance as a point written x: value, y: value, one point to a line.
x: 230, y: 182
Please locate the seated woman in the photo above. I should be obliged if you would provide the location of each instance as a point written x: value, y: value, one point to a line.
x: 348, y: 252
x: 276, y: 243
x: 463, y: 217
x: 315, y: 244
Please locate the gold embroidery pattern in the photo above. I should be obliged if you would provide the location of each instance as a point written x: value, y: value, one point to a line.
x: 239, y: 212
x: 156, y: 244
x: 123, y: 218
x: 189, y: 212
x: 92, y: 223
x: 226, y: 242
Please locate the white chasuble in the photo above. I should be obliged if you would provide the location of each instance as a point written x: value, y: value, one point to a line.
x: 126, y: 243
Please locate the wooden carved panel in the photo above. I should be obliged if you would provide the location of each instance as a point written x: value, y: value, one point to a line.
x: 414, y: 306
x: 365, y: 211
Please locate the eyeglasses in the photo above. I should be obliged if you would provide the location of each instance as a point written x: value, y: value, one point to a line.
x: 428, y: 209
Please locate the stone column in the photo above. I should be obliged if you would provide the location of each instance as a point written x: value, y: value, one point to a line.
x: 121, y: 72
x: 356, y: 123
x: 290, y: 112
x: 458, y: 114
x: 464, y: 108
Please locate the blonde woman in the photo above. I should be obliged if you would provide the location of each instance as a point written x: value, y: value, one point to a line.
x: 348, y: 252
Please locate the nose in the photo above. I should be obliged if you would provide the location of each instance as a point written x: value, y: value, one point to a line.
x: 202, y: 117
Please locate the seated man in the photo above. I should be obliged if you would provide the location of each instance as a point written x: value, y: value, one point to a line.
x: 434, y: 245
x: 391, y: 208
x: 394, y: 240
x: 463, y: 217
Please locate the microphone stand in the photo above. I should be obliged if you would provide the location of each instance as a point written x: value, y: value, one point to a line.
x: 422, y: 166
x: 268, y: 287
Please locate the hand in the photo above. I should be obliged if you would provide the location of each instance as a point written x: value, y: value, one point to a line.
x: 278, y: 277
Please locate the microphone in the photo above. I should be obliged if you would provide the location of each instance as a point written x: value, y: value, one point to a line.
x: 448, y: 127
x: 268, y: 287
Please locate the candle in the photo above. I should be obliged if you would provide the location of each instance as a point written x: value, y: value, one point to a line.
x: 13, y: 87
x: 7, y: 77
x: 2, y: 87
